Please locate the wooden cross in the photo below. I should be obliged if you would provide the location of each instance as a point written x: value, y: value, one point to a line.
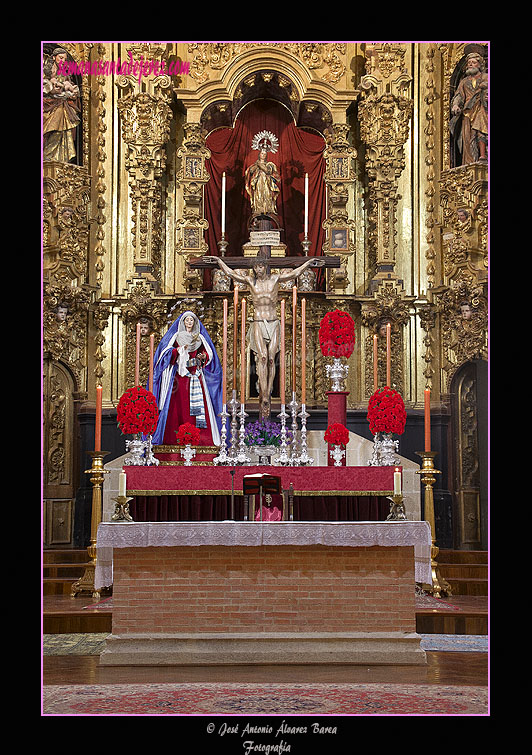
x: 265, y: 224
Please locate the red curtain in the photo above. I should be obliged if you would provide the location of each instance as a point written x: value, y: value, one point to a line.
x: 211, y: 508
x: 299, y: 152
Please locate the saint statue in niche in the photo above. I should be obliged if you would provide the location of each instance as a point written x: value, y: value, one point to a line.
x: 187, y: 382
x: 262, y: 179
x: 469, y: 112
x: 61, y: 109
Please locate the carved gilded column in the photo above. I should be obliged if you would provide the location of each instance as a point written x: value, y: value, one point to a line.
x: 384, y: 111
x: 145, y: 121
x: 192, y: 177
x: 339, y: 228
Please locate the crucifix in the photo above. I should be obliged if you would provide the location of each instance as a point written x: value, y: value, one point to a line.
x: 262, y: 185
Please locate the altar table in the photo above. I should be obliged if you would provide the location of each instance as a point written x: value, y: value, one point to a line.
x: 201, y: 492
x: 194, y: 593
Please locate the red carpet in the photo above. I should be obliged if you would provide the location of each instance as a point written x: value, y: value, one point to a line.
x: 264, y: 699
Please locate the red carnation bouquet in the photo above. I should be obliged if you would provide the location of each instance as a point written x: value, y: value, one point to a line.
x: 386, y: 412
x: 187, y: 434
x: 137, y: 412
x: 337, y: 334
x: 337, y: 435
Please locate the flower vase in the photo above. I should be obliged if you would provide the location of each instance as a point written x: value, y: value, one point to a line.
x: 337, y: 453
x: 337, y: 372
x: 384, y: 451
x: 389, y: 446
x: 188, y: 453
x: 136, y: 448
x: 265, y: 454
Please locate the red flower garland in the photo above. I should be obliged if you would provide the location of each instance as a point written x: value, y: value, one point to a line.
x: 337, y: 334
x: 187, y: 434
x: 337, y: 434
x: 137, y: 412
x: 386, y: 412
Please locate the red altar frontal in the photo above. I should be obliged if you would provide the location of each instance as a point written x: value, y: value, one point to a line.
x: 215, y: 493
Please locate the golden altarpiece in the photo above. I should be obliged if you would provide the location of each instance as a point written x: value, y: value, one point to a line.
x: 404, y: 209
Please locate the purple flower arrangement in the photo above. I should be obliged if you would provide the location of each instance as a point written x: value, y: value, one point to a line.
x: 265, y: 432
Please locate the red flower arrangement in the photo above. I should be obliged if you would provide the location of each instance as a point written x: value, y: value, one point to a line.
x: 386, y: 412
x: 137, y: 412
x: 337, y: 334
x: 187, y: 434
x: 337, y: 434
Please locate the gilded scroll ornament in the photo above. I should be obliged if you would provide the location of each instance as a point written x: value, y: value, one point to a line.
x: 464, y: 317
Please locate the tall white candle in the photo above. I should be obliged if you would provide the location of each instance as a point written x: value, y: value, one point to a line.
x: 223, y: 204
x: 306, y: 205
x: 152, y: 349
x: 397, y: 482
x: 137, y: 356
x: 122, y: 484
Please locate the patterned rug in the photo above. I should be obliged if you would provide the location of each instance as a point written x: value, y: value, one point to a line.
x: 223, y: 699
x: 457, y: 643
x: 93, y: 644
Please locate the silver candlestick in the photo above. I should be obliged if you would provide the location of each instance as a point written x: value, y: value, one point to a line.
x: 304, y: 458
x: 223, y: 457
x: 283, y: 457
x: 293, y: 446
x: 242, y: 457
x: 150, y: 459
x: 233, y: 405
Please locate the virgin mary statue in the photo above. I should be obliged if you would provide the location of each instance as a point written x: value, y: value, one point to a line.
x: 187, y: 382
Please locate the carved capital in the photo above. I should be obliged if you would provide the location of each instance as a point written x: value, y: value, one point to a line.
x: 65, y: 309
x: 145, y: 129
x: 385, y: 112
x: 463, y: 309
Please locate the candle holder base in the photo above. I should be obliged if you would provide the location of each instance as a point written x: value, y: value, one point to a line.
x: 223, y: 457
x: 293, y: 406
x: 440, y: 587
x: 242, y: 457
x: 150, y: 459
x: 283, y: 459
x: 97, y: 472
x: 122, y: 509
x: 233, y: 451
x: 397, y: 508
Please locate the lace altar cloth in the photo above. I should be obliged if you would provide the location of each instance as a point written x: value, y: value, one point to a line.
x: 340, y: 534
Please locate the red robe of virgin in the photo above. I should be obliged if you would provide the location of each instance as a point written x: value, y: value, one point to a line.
x: 179, y: 408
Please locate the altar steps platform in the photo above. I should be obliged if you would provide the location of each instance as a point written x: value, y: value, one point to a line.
x: 465, y: 571
x: 465, y: 612
x: 61, y: 568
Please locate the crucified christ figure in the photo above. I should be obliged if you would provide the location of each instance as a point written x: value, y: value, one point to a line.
x: 264, y: 333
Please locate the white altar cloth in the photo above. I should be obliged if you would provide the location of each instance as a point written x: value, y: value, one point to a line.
x: 340, y: 534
